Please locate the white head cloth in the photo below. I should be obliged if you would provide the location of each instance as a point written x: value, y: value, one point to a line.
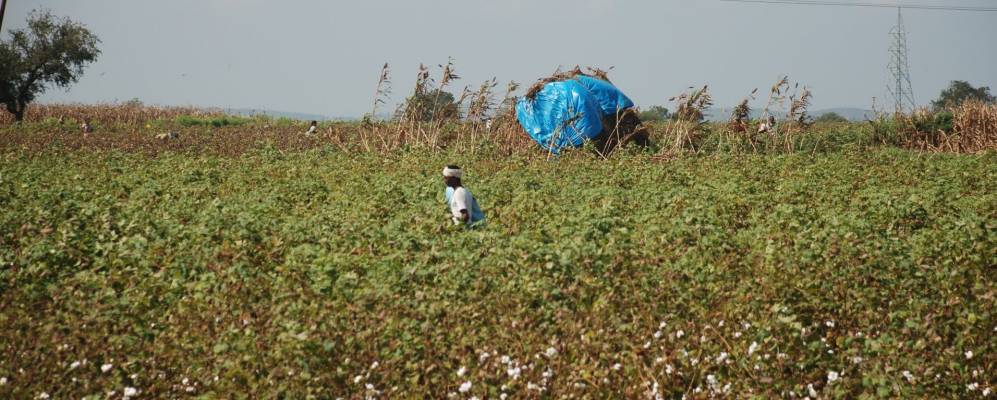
x: 451, y: 172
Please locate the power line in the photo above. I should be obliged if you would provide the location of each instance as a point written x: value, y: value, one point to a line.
x: 866, y: 4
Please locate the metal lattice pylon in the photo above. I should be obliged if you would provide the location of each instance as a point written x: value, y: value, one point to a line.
x: 900, y: 87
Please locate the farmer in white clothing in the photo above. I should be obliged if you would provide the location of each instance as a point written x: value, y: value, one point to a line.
x: 463, y: 208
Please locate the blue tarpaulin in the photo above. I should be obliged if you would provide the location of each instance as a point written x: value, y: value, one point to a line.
x: 566, y: 113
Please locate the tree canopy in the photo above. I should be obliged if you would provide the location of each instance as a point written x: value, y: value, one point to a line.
x: 654, y: 113
x: 432, y: 105
x: 959, y: 92
x: 831, y: 117
x: 50, y: 51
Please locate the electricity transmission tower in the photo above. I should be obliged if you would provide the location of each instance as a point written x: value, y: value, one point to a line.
x: 900, y: 87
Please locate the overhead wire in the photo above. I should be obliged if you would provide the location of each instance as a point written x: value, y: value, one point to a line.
x: 867, y: 4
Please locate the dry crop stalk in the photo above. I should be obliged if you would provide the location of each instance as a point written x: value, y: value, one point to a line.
x: 689, y: 111
x: 796, y: 116
x: 740, y: 119
x: 448, y: 75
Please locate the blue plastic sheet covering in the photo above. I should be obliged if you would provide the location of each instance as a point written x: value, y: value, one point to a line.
x: 566, y: 113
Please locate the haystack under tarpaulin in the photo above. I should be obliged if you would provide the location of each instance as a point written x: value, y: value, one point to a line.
x: 569, y: 108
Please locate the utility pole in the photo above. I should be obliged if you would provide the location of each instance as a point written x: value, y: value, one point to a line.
x: 3, y: 7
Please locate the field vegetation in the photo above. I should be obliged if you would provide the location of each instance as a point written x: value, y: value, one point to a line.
x: 243, y: 258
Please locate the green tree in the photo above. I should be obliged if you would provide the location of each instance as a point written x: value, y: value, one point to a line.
x: 960, y: 91
x: 51, y: 51
x: 831, y: 117
x: 432, y: 105
x: 654, y: 113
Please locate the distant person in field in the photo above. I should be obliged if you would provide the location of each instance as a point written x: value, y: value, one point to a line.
x: 313, y: 128
x: 86, y: 127
x: 463, y: 207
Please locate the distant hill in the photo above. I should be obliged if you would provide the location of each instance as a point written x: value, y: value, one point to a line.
x: 719, y: 114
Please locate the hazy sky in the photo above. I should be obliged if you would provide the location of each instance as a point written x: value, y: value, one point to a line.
x: 324, y: 56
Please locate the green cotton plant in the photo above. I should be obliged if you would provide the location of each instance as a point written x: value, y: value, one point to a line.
x: 850, y: 272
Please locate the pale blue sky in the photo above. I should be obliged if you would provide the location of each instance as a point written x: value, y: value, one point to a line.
x: 323, y: 57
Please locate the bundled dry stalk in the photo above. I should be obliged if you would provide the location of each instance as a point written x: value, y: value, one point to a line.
x: 559, y: 76
x: 691, y: 106
x: 689, y: 114
x: 741, y: 115
x: 976, y: 124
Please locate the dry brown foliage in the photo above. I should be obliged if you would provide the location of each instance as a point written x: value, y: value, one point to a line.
x: 975, y: 123
x: 107, y: 113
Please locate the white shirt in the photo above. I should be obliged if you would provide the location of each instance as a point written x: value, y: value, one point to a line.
x: 461, y: 201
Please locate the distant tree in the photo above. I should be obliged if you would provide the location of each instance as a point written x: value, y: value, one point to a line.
x: 831, y: 117
x: 51, y: 51
x: 434, y: 104
x: 960, y: 91
x: 654, y: 113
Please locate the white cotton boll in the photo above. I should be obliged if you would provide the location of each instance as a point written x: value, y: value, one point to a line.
x: 617, y: 366
x: 972, y: 387
x: 106, y: 367
x: 969, y: 354
x: 74, y: 365
x: 374, y: 365
x: 723, y: 356
x: 753, y: 348
x: 679, y: 334
x: 503, y: 396
x: 986, y: 392
x: 130, y: 391
x: 461, y: 371
x: 829, y: 324
x: 184, y: 381
x: 669, y: 369
x: 811, y: 390
x: 43, y: 396
x: 832, y: 376
x: 505, y: 359
x: 465, y: 387
x: 357, y: 378
x: 657, y: 335
x: 908, y: 376
x: 3, y: 381
x: 551, y: 352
